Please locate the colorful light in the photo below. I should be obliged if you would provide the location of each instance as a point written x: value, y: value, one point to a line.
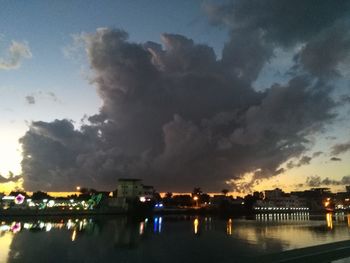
x: 19, y: 199
x: 15, y: 227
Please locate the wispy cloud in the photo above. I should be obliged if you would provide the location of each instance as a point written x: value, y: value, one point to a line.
x: 15, y: 54
x: 30, y: 99
x: 33, y: 97
x: 340, y: 148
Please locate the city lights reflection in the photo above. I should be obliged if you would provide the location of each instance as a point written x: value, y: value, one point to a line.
x: 229, y: 227
x: 195, y: 225
x: 300, y: 216
x: 329, y: 219
x: 142, y: 228
x: 74, y: 235
x: 157, y: 224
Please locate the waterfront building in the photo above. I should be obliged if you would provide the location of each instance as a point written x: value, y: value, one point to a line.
x: 132, y: 188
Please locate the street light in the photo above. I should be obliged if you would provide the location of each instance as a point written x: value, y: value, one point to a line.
x: 195, y: 198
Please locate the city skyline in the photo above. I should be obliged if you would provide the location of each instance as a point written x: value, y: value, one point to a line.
x: 203, y: 94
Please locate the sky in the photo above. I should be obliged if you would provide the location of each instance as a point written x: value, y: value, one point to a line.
x: 242, y: 95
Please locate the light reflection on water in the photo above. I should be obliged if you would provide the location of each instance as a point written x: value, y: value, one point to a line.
x: 166, y: 238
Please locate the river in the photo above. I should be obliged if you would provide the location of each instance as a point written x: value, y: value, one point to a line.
x: 155, y: 239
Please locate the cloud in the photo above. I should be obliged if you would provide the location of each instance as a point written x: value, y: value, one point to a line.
x: 30, y: 99
x: 317, y: 154
x: 316, y: 181
x: 335, y: 159
x: 340, y: 148
x: 10, y: 178
x: 15, y: 55
x: 305, y: 160
x: 177, y: 116
x: 38, y: 95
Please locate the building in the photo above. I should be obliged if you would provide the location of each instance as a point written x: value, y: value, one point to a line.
x: 133, y: 188
x: 273, y: 194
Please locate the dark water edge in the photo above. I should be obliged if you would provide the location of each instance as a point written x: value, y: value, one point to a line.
x: 164, y: 238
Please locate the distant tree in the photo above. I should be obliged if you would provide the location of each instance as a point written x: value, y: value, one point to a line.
x: 39, y: 195
x: 258, y: 195
x: 87, y: 191
x: 197, y: 191
x: 204, y: 198
x: 17, y: 192
x: 182, y: 200
x: 169, y: 195
x: 157, y: 197
x: 224, y: 191
x: 84, y: 190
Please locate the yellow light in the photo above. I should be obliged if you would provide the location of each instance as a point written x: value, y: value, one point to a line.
x: 326, y: 203
x: 229, y: 227
x: 195, y: 225
x: 74, y: 235
x: 329, y: 220
x: 195, y: 198
x: 78, y: 188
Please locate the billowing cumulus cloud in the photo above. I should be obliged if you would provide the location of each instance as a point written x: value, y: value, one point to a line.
x: 15, y: 55
x: 177, y: 116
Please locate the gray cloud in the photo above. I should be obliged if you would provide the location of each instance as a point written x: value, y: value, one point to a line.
x: 177, y: 116
x: 317, y: 154
x: 316, y: 181
x: 30, y: 99
x: 340, y: 148
x: 39, y: 95
x: 305, y: 160
x: 15, y: 55
x: 10, y: 178
x: 335, y: 159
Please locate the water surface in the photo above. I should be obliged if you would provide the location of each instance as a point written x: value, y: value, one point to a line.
x: 164, y: 239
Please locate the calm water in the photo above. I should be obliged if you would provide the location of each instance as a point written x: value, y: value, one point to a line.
x: 164, y: 239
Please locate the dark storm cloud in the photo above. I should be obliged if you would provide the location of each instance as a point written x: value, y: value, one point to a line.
x: 284, y: 22
x: 30, y: 99
x: 316, y: 181
x: 177, y: 116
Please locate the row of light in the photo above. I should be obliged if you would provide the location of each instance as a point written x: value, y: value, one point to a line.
x: 280, y: 208
x: 19, y: 200
x: 17, y: 226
